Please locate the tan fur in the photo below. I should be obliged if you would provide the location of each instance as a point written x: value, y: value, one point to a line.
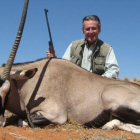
x: 60, y: 90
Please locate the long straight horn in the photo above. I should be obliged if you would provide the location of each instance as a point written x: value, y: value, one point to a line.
x: 8, y: 66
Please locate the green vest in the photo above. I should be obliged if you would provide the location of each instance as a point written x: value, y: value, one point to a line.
x: 98, y: 57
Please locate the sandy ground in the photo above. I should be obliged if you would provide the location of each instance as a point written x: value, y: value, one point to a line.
x: 16, y: 133
x: 64, y: 132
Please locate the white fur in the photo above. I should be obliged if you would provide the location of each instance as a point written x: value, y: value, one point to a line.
x: 116, y: 124
x: 2, y: 120
x: 22, y: 123
x: 4, y: 90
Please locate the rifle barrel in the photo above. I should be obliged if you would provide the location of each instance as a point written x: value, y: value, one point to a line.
x: 48, y: 26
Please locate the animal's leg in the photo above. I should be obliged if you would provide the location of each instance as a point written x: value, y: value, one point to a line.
x: 127, y: 114
x: 111, y: 125
x: 130, y: 127
x: 51, y: 112
x: 117, y: 124
x: 123, y: 103
x: 37, y: 119
x: 22, y: 123
x: 54, y: 111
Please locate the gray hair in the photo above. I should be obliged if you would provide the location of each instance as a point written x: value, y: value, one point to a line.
x: 92, y: 17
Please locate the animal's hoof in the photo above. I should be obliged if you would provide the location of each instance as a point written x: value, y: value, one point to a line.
x: 106, y: 128
x: 22, y: 123
x: 2, y: 120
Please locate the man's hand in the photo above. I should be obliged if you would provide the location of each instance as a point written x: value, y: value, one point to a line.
x: 49, y: 55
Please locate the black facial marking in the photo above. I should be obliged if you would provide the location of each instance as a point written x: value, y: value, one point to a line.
x: 2, y: 110
x: 1, y: 82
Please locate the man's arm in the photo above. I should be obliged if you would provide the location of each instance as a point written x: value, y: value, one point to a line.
x: 111, y: 65
x: 67, y: 54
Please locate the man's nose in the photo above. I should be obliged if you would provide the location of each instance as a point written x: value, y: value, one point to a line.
x: 91, y: 30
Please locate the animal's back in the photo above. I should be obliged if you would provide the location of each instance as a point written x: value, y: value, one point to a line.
x: 70, y: 88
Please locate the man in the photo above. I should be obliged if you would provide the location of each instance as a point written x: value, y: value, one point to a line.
x: 91, y: 53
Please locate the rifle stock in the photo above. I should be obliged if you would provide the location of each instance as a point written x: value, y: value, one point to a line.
x: 51, y: 48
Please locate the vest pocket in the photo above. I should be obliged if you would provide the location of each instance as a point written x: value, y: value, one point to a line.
x: 75, y: 60
x: 99, y: 64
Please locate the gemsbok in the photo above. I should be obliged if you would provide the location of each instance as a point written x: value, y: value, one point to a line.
x: 56, y: 90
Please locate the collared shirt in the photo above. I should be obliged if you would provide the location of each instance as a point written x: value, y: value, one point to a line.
x: 87, y: 54
x: 111, y: 64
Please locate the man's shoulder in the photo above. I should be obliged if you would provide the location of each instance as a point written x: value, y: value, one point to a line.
x: 103, y: 44
x: 77, y: 45
x: 104, y: 47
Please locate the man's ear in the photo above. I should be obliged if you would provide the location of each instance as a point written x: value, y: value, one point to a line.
x: 23, y: 74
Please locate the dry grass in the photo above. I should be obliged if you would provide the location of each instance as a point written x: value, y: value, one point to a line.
x: 135, y: 80
x: 69, y: 130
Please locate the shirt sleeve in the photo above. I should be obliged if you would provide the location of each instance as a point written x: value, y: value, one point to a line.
x: 67, y: 54
x: 111, y: 65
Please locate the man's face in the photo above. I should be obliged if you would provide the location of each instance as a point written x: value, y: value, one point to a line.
x: 91, y: 31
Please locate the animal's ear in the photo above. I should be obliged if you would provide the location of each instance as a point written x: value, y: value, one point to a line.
x: 23, y: 74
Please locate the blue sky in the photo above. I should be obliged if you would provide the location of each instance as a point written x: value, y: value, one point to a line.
x: 120, y: 21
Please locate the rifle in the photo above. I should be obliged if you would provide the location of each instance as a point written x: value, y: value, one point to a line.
x: 51, y: 48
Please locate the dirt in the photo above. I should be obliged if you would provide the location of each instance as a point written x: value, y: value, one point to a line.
x: 64, y: 132
x: 17, y: 133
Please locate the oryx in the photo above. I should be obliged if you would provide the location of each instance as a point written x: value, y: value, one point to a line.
x: 55, y: 90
